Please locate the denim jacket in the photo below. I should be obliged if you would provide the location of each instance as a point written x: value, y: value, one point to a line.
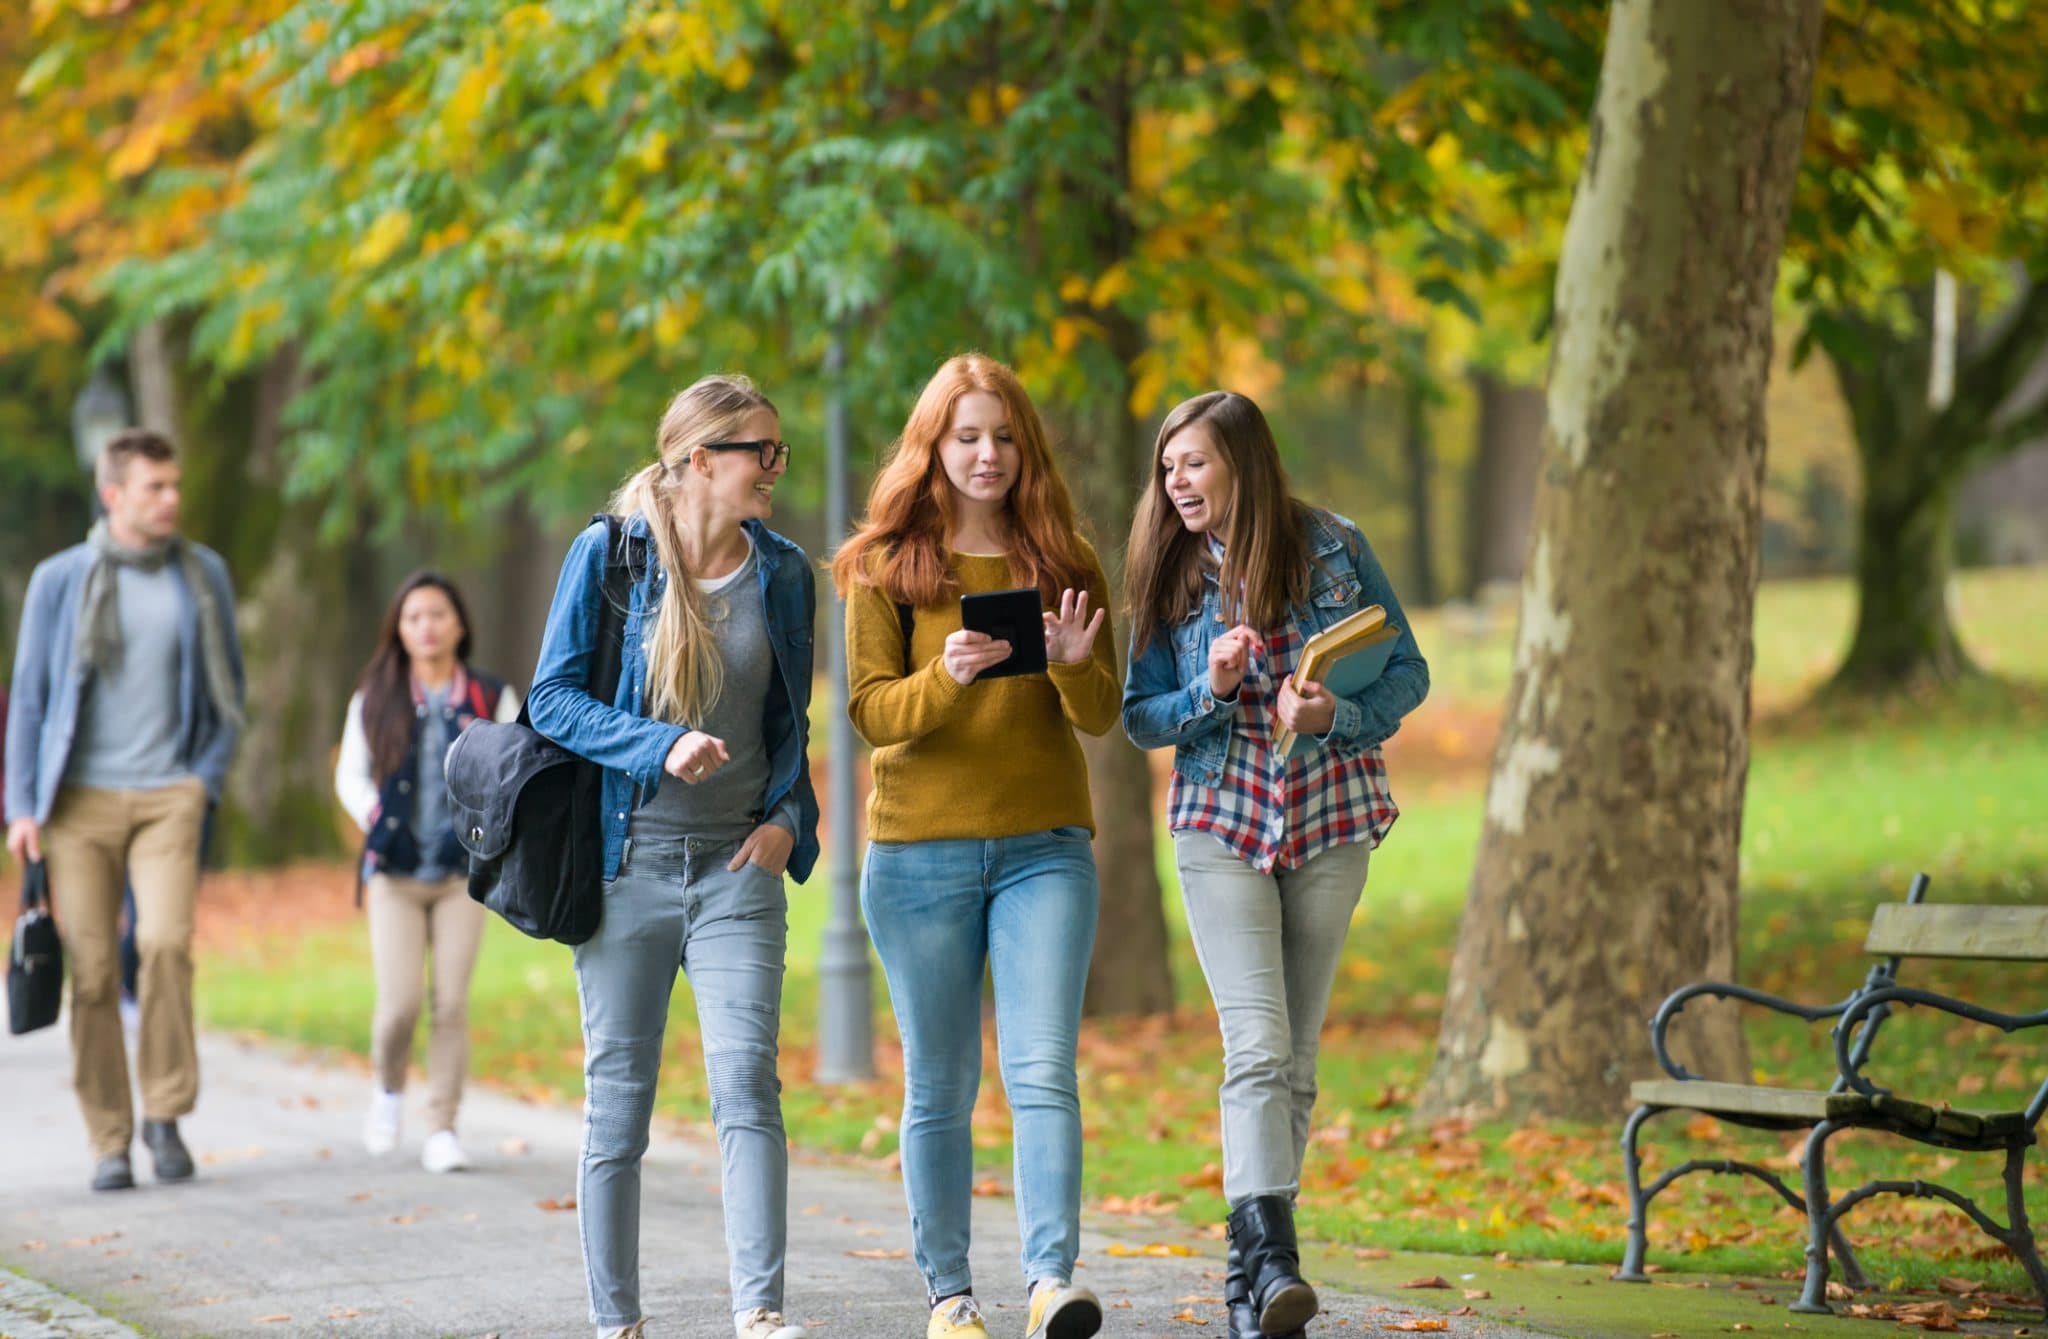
x: 49, y: 689
x: 630, y: 747
x: 1166, y: 688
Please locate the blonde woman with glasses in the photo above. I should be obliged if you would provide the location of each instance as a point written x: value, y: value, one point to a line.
x: 707, y: 804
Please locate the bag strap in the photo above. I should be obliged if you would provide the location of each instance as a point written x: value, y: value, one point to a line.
x: 623, y: 553
x: 35, y: 886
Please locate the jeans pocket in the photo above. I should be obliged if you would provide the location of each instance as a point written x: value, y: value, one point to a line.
x: 1072, y: 833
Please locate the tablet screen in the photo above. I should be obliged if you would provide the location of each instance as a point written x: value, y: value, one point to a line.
x: 1014, y: 616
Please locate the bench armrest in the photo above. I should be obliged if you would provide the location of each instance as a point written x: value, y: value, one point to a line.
x: 1725, y: 990
x: 1852, y: 1065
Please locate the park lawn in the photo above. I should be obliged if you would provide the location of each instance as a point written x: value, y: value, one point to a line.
x: 1842, y: 808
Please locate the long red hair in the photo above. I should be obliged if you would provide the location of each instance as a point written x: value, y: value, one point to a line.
x: 900, y: 545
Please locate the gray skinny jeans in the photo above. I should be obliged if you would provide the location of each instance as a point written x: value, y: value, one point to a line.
x: 1269, y: 945
x: 675, y: 904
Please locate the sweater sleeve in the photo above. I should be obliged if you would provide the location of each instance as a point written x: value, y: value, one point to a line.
x: 886, y: 705
x: 353, y: 784
x: 1090, y: 693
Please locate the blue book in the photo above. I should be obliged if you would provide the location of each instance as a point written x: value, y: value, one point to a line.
x: 1344, y: 658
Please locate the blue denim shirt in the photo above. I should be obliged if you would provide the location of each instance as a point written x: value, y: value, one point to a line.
x: 630, y: 747
x: 1166, y: 688
x: 49, y: 688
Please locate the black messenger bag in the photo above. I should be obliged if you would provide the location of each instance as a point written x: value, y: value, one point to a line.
x: 530, y: 812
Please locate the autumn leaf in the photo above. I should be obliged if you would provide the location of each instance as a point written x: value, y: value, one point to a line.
x: 1420, y: 1323
x: 1433, y: 1281
x: 1188, y: 1317
x: 881, y: 1253
x: 279, y: 1319
x: 1153, y: 1249
x: 563, y: 1205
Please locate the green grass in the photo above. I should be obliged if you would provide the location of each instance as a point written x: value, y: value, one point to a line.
x: 1842, y: 808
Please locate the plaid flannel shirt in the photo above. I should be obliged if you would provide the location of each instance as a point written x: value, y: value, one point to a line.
x: 1279, y: 813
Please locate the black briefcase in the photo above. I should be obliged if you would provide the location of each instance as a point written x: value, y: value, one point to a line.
x: 35, y: 962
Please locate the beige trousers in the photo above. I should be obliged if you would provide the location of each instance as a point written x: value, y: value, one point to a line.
x: 408, y: 920
x: 95, y: 840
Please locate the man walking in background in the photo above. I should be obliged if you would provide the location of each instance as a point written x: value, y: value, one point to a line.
x: 127, y: 703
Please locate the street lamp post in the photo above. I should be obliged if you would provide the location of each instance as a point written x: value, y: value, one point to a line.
x: 100, y: 411
x: 845, y: 1008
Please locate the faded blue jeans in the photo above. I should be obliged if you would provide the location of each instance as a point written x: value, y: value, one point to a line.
x: 674, y: 905
x: 938, y: 911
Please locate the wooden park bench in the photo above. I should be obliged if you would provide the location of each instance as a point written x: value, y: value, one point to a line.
x: 1898, y: 930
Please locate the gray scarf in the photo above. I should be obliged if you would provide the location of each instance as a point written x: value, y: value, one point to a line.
x: 98, y: 646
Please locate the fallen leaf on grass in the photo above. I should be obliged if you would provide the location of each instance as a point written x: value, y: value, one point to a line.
x: 1430, y: 1323
x: 1373, y: 1253
x: 1477, y: 1295
x: 1433, y: 1281
x: 1188, y: 1317
x: 1463, y: 1311
x: 1839, y: 1292
x: 1664, y: 1334
x: 1739, y: 1326
x: 881, y: 1253
x: 989, y: 1188
x: 562, y: 1205
x: 1154, y: 1249
x: 1958, y: 1287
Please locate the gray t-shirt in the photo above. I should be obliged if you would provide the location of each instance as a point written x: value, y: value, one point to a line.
x: 725, y: 804
x: 430, y: 781
x: 129, y: 722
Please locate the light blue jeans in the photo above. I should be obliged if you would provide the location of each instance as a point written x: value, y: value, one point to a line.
x: 674, y: 905
x: 939, y: 911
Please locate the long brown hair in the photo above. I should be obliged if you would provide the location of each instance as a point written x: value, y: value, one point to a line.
x: 901, y: 544
x: 386, y: 683
x: 685, y: 674
x: 1265, y: 557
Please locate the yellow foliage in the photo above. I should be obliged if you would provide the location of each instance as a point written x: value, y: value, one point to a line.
x: 384, y: 237
x: 1110, y: 285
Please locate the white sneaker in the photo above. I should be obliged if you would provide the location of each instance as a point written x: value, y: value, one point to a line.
x: 443, y: 1153
x: 637, y: 1330
x: 380, y: 1127
x: 761, y: 1323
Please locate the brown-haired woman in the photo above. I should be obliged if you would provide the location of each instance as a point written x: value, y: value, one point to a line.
x: 1228, y: 576
x: 416, y: 694
x: 979, y: 822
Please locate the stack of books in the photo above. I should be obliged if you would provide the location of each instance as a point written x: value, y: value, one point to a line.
x: 1343, y: 658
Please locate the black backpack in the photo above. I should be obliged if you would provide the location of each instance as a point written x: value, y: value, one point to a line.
x: 530, y: 812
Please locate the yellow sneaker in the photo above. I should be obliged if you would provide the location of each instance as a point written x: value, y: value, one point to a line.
x: 1063, y: 1311
x: 956, y: 1318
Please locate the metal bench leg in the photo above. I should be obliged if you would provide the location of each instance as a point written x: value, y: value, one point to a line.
x: 1631, y: 1270
x: 1813, y: 1300
x: 2022, y: 1241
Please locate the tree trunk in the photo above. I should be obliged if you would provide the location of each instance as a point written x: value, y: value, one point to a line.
x: 1606, y: 873
x: 1502, y: 488
x: 1904, y: 555
x: 152, y: 373
x: 1415, y: 447
x: 1130, y: 972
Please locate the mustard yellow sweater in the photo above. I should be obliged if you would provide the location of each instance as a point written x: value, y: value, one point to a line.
x: 993, y: 759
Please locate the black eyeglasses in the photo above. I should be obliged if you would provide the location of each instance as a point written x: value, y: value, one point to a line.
x: 768, y: 451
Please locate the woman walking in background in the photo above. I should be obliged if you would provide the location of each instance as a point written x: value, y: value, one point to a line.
x: 979, y: 822
x: 1228, y: 576
x: 707, y: 801
x: 417, y: 693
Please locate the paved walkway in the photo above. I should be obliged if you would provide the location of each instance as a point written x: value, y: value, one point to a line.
x: 290, y: 1228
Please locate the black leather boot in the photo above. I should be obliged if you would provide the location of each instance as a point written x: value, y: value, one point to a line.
x: 113, y: 1173
x: 167, y: 1150
x: 1269, y: 1262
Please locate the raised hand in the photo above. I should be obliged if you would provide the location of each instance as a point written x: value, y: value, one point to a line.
x: 695, y: 756
x: 1070, y: 634
x: 1230, y: 655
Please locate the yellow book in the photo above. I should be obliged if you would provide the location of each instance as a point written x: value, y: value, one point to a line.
x: 1343, y: 658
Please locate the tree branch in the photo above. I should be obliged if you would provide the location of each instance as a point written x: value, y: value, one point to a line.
x: 1985, y: 382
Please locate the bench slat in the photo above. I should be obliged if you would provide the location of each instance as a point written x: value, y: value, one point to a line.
x: 1740, y: 1099
x: 1954, y: 930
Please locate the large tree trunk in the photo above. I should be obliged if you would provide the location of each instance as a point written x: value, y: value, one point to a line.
x: 1499, y: 497
x: 1415, y: 447
x: 1130, y: 973
x: 1904, y: 555
x: 1606, y: 873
